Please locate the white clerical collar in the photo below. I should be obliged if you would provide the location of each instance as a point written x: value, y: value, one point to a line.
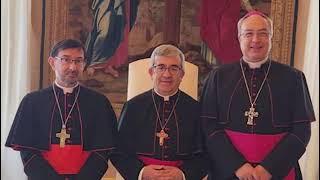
x: 166, y: 98
x: 254, y: 65
x: 66, y: 89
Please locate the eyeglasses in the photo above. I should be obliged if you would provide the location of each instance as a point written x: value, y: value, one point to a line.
x: 260, y: 34
x: 173, y: 69
x: 65, y: 60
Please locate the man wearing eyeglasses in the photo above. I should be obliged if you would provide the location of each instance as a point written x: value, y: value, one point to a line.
x: 159, y: 130
x: 65, y: 131
x: 257, y: 112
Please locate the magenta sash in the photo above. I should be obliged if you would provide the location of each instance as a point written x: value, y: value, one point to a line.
x: 66, y: 160
x: 149, y: 161
x: 255, y: 147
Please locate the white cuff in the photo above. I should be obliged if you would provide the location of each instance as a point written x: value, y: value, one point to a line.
x: 183, y: 176
x: 140, y: 174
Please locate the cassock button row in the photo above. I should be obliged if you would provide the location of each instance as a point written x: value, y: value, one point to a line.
x: 254, y: 85
x: 69, y: 105
x: 166, y: 156
x: 166, y: 129
x: 68, y: 124
x: 69, y: 129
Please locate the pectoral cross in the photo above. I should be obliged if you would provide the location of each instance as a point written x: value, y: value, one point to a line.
x: 162, y: 135
x: 63, y: 136
x: 251, y: 114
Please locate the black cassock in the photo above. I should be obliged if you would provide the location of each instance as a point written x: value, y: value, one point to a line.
x: 92, y: 129
x: 138, y: 143
x: 281, y: 131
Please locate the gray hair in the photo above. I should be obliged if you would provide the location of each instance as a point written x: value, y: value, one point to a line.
x: 167, y: 50
x: 269, y: 21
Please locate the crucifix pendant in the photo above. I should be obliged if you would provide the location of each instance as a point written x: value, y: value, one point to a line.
x: 162, y: 135
x: 251, y: 114
x: 63, y: 136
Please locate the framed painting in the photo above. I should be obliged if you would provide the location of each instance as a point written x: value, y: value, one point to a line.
x: 159, y: 21
x: 155, y: 22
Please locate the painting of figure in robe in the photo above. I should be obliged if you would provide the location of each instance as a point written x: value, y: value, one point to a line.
x: 107, y: 43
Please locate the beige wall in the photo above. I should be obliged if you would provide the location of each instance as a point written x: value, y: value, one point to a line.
x: 301, y: 33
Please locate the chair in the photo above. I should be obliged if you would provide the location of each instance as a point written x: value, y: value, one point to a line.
x: 139, y: 79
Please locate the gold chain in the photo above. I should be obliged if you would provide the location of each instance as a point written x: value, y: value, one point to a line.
x: 64, y: 123
x: 158, y: 118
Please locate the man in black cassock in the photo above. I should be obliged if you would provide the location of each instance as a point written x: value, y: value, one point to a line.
x: 257, y: 112
x: 159, y: 130
x: 65, y: 131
